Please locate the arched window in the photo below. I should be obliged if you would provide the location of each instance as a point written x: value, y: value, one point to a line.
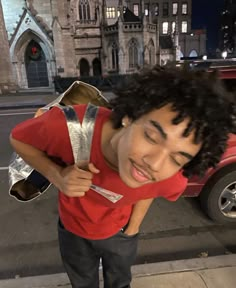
x: 114, y: 57
x: 36, y: 65
x: 97, y: 70
x: 133, y: 54
x: 151, y: 53
x: 84, y: 10
x: 84, y: 67
x: 193, y: 53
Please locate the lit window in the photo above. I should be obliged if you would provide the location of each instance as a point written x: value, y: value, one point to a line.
x: 146, y: 9
x: 174, y: 8
x: 193, y: 53
x: 165, y: 9
x: 173, y: 25
x: 118, y: 12
x: 111, y: 12
x: 184, y: 27
x: 156, y: 9
x: 165, y: 27
x: 136, y: 9
x: 184, y: 9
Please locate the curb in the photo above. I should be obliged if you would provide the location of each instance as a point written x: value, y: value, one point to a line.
x: 185, y: 265
x: 138, y: 271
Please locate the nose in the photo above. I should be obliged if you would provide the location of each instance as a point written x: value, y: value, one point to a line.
x: 155, y: 162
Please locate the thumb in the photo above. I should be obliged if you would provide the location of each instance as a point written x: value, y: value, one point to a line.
x: 82, y: 164
x: 92, y: 168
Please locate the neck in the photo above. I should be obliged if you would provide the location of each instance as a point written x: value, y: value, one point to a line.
x: 109, y: 150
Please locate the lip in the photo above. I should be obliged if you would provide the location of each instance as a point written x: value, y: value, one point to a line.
x: 139, y: 174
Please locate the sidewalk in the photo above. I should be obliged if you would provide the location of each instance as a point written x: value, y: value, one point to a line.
x: 13, y: 101
x: 212, y: 272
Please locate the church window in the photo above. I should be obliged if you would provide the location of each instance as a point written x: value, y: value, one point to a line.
x: 114, y: 57
x: 151, y: 53
x: 133, y: 54
x: 84, y: 10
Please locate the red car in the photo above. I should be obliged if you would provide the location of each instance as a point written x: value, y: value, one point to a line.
x: 217, y: 189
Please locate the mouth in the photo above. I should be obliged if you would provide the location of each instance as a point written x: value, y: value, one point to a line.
x: 140, y: 174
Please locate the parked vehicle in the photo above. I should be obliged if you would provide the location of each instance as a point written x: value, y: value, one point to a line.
x: 217, y: 189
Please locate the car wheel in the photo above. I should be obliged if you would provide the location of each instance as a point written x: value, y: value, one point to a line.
x: 218, y: 197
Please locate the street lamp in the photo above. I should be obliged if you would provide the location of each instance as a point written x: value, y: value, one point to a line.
x: 204, y: 57
x: 224, y: 54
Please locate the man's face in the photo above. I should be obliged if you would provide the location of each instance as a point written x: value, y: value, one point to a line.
x: 152, y: 149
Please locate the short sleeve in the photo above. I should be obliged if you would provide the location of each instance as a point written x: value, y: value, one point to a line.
x: 178, y: 184
x: 47, y: 132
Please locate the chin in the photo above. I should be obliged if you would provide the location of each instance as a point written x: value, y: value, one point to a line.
x: 130, y: 182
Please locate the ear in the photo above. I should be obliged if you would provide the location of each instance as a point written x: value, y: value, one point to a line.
x: 125, y: 121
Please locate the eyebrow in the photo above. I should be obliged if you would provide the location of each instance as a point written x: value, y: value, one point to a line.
x: 164, y: 135
x: 185, y: 154
x: 159, y: 128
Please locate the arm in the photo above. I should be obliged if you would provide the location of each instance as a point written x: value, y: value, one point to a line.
x: 138, y: 213
x: 72, y: 180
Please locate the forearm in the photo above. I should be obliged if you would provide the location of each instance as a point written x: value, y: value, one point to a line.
x: 38, y: 160
x: 138, y: 213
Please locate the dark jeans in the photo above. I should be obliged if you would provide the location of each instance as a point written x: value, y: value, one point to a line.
x: 81, y: 258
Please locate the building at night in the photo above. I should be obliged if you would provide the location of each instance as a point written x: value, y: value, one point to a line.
x: 228, y: 28
x: 48, y: 38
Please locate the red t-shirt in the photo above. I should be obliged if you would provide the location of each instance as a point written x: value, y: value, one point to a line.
x: 92, y: 216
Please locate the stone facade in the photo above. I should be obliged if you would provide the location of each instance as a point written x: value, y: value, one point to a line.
x: 6, y: 76
x: 49, y: 38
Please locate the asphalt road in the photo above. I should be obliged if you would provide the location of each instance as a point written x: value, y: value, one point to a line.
x: 28, y: 242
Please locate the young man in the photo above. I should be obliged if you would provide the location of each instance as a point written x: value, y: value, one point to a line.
x: 165, y: 125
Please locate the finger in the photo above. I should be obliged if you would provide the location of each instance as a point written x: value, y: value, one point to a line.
x: 82, y: 164
x: 77, y: 189
x: 81, y: 173
x: 76, y: 194
x: 92, y: 168
x: 78, y: 182
x: 73, y: 190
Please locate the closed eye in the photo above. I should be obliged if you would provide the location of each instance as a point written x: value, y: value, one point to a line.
x: 175, y: 161
x: 150, y: 139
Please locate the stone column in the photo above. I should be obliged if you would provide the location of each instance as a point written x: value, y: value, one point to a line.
x: 6, y: 75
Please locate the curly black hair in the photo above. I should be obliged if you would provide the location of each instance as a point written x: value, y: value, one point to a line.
x: 198, y: 95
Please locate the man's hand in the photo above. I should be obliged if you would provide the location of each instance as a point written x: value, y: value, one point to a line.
x: 77, y: 179
x: 131, y: 231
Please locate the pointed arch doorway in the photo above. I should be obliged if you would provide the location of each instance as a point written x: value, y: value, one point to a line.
x: 36, y: 66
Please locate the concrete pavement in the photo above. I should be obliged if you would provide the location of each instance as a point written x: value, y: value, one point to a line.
x: 13, y: 101
x: 212, y: 272
x: 20, y: 100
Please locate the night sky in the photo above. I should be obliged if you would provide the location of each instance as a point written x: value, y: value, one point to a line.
x: 206, y: 14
